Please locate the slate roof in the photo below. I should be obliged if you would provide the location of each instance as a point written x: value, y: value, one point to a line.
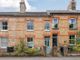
x: 46, y: 13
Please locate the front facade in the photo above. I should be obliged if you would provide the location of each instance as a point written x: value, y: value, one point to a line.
x: 38, y: 29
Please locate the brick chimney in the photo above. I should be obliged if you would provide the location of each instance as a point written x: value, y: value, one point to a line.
x: 72, y: 5
x: 22, y: 6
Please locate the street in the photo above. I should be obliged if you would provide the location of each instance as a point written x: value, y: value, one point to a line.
x: 39, y: 58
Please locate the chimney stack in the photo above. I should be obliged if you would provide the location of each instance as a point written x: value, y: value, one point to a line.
x: 72, y: 5
x: 22, y: 6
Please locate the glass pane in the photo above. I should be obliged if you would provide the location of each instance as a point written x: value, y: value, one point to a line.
x: 72, y: 41
x: 72, y: 21
x: 4, y: 42
x: 30, y: 25
x: 55, y: 21
x: 30, y: 42
x: 47, y: 26
x: 47, y: 39
x: 4, y: 25
x: 72, y: 37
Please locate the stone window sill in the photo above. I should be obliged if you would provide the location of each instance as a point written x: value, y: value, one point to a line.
x: 4, y: 30
x: 47, y: 30
x: 30, y: 30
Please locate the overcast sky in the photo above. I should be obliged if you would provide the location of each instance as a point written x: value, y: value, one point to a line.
x: 36, y: 5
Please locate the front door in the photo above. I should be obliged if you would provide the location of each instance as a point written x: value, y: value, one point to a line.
x: 54, y: 40
x: 47, y: 45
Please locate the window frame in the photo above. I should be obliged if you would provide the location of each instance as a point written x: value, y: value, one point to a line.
x: 72, y: 25
x: 47, y: 26
x: 29, y: 43
x: 3, y: 26
x: 47, y: 39
x: 55, y: 24
x: 30, y: 25
x: 7, y: 40
x: 73, y: 39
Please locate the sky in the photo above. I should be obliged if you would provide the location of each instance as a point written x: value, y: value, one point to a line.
x: 35, y: 5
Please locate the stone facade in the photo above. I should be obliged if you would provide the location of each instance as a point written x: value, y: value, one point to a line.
x: 17, y: 27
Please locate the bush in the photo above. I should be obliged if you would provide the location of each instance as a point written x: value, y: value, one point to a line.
x: 32, y: 52
x: 22, y: 50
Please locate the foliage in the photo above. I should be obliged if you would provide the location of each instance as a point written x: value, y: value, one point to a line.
x: 32, y: 51
x: 20, y: 47
x: 78, y: 33
x: 22, y: 50
x: 76, y: 48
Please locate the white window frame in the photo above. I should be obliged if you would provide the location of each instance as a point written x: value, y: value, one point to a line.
x: 1, y: 43
x: 28, y: 23
x: 1, y: 26
x: 32, y: 42
x: 74, y: 23
x: 46, y: 26
x: 53, y: 23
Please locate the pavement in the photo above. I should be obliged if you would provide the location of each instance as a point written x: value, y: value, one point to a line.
x: 39, y: 58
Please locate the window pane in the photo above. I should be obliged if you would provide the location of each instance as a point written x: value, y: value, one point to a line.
x: 4, y: 42
x: 55, y: 23
x: 47, y: 26
x: 29, y: 39
x: 30, y: 25
x: 4, y: 25
x: 72, y: 21
x: 72, y: 39
x: 30, y: 42
x: 47, y: 39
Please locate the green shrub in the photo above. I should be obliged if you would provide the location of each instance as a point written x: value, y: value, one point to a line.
x: 32, y: 52
x: 21, y: 50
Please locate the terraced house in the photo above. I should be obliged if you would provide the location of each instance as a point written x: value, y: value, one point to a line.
x: 38, y: 29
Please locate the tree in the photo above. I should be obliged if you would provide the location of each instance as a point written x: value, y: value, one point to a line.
x: 20, y: 47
